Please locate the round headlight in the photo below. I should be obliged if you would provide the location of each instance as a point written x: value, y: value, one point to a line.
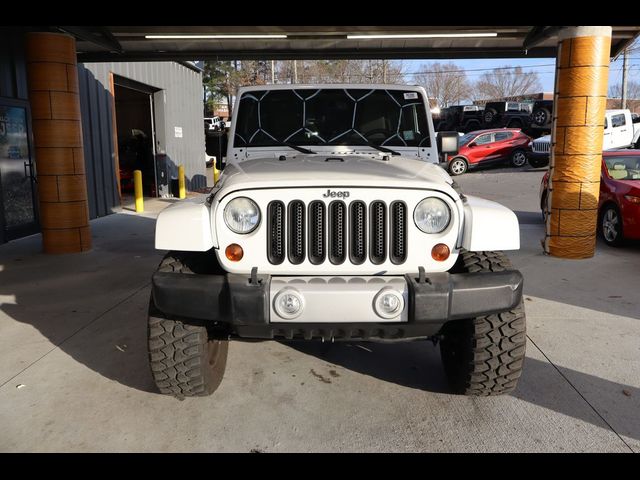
x: 432, y: 215
x: 242, y: 215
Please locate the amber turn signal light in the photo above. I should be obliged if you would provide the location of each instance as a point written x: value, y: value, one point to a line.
x: 440, y: 252
x: 234, y: 252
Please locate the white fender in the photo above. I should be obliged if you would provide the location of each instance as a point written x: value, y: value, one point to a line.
x: 185, y: 226
x: 489, y: 226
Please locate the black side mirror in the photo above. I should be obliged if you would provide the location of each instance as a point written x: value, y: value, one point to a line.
x: 447, y: 142
x: 472, y: 144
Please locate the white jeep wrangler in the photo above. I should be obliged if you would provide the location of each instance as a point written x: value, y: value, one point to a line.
x: 333, y: 221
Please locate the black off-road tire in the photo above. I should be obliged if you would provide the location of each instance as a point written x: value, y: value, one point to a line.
x: 484, y: 356
x: 538, y: 162
x: 541, y: 117
x: 489, y: 116
x: 184, y: 361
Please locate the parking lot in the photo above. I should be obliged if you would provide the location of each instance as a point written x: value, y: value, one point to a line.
x: 74, y: 374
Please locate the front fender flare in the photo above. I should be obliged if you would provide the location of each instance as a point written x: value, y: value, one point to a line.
x: 489, y: 226
x: 185, y: 226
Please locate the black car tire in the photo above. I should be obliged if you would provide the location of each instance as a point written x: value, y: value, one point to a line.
x: 541, y: 116
x: 518, y: 158
x: 184, y: 360
x: 458, y: 166
x: 515, y: 123
x: 489, y: 115
x: 471, y: 125
x: 610, y: 225
x: 485, y: 355
x: 538, y: 162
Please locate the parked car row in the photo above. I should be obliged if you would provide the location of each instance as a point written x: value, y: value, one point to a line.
x: 619, y: 200
x: 533, y: 118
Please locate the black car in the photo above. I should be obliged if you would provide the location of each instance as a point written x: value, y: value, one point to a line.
x: 506, y: 114
x: 461, y: 118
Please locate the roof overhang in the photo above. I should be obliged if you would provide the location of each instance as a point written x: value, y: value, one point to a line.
x: 142, y: 43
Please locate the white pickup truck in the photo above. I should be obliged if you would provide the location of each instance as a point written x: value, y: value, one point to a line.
x: 333, y: 221
x: 621, y: 130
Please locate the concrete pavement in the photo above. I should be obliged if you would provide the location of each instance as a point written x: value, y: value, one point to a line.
x: 74, y: 373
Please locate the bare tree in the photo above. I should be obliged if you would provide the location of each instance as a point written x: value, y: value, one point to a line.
x: 507, y: 81
x: 633, y: 90
x: 445, y: 82
x: 342, y: 71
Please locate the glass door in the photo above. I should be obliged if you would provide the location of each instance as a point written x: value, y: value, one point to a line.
x: 18, y: 212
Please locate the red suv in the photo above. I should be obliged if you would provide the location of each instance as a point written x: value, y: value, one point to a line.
x: 484, y: 147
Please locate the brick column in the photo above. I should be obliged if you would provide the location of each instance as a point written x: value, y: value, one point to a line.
x: 579, y: 103
x: 55, y: 109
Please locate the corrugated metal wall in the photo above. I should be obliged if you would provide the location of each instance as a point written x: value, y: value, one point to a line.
x: 97, y: 133
x: 13, y: 71
x: 182, y: 89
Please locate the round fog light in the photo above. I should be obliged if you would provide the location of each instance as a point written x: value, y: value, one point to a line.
x: 288, y: 303
x: 388, y: 303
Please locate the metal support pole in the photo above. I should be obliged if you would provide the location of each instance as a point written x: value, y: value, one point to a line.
x: 137, y: 189
x: 625, y: 69
x: 182, y: 192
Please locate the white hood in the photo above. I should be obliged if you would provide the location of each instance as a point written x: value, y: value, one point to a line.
x: 302, y: 170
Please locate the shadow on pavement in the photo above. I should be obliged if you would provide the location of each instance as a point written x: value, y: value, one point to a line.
x: 91, y: 305
x: 418, y: 365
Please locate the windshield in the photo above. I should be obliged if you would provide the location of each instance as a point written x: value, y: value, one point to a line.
x: 466, y: 138
x: 332, y: 116
x: 623, y: 168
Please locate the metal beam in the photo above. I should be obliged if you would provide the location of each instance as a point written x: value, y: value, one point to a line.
x: 313, y: 54
x: 104, y: 39
x: 622, y: 46
x: 538, y: 35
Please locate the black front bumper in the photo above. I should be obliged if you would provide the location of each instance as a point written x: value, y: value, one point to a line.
x: 238, y: 305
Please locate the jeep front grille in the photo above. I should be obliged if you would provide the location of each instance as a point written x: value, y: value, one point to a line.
x: 275, y: 224
x: 398, y: 235
x: 337, y: 232
x: 378, y: 232
x: 541, y: 147
x: 296, y: 232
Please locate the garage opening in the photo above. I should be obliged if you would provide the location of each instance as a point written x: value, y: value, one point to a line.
x: 135, y: 135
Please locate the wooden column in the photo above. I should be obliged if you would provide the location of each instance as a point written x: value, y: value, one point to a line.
x: 579, y: 106
x: 55, y: 108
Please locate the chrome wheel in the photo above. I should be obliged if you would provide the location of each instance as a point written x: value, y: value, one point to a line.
x: 611, y: 225
x: 518, y: 159
x: 458, y: 166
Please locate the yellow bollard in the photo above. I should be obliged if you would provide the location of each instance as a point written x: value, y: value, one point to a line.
x: 137, y: 187
x: 216, y: 174
x: 181, y: 189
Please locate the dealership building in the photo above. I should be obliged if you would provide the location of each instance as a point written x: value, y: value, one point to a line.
x: 81, y: 129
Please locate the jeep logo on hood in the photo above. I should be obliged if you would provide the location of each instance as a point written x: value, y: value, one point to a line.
x: 332, y: 194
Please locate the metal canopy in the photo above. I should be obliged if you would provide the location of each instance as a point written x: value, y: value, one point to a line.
x: 129, y: 43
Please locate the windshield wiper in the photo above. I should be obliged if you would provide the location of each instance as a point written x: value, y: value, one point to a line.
x: 383, y: 149
x: 295, y: 147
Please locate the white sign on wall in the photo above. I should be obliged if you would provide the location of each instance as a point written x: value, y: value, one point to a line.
x: 178, y: 131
